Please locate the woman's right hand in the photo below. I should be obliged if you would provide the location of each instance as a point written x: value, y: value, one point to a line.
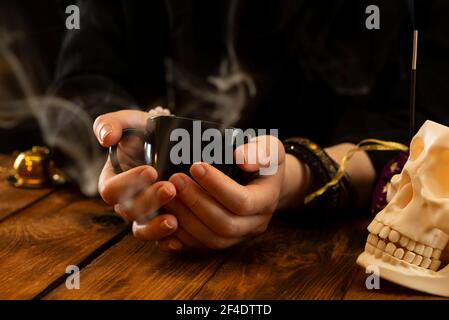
x: 134, y: 193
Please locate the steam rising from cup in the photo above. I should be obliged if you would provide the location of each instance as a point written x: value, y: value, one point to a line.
x: 225, y: 94
x: 63, y: 124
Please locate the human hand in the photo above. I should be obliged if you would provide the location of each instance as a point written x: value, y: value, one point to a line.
x: 214, y: 211
x: 133, y: 193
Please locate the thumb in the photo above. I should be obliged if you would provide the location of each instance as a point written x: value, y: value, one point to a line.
x: 108, y: 127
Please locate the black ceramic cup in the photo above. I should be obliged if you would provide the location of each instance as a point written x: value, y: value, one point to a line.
x: 172, y: 144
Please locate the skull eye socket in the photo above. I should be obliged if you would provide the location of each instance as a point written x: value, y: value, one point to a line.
x: 416, y: 148
x: 436, y: 178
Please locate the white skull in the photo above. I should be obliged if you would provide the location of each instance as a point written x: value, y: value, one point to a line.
x: 407, y: 238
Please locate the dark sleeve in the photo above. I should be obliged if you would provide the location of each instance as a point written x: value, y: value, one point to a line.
x: 385, y: 113
x: 92, y: 66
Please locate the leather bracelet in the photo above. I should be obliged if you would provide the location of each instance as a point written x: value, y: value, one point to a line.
x: 323, y: 168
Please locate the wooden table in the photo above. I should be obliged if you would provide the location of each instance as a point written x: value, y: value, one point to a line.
x: 44, y: 231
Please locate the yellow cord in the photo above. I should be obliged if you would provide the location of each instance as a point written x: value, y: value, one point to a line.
x: 364, y: 145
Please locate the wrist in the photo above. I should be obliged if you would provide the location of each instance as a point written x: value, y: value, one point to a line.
x: 298, y: 181
x: 360, y: 170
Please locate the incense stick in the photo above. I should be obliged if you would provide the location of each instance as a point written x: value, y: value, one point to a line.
x: 413, y: 85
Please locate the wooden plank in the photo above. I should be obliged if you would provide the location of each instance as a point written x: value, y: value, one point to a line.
x: 38, y: 244
x: 133, y: 269
x: 13, y: 199
x: 290, y: 262
x: 387, y: 291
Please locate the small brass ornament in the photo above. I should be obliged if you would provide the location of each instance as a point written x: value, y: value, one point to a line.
x: 35, y: 169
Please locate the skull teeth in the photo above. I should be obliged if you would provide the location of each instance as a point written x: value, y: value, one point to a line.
x: 394, y: 236
x: 417, y: 261
x: 399, y: 253
x: 428, y: 252
x: 381, y: 245
x: 426, y: 263
x: 385, y: 232
x: 372, y: 239
x: 419, y: 248
x: 411, y: 245
x: 372, y: 225
x: 435, y: 265
x: 376, y: 228
x: 390, y: 248
x: 404, y: 241
x: 436, y: 254
x: 409, y: 256
x: 394, y: 248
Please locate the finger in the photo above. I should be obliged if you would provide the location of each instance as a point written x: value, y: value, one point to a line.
x: 130, y: 152
x: 114, y: 187
x: 147, y: 202
x: 108, y: 127
x: 212, y: 213
x: 189, y: 240
x: 119, y: 210
x: 241, y: 200
x: 262, y: 153
x: 191, y: 224
x: 181, y: 239
x: 106, y: 173
x: 159, y: 111
x: 157, y: 228
x: 170, y: 244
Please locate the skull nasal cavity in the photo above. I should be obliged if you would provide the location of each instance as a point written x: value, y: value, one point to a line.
x: 436, y: 179
x: 405, y: 192
x: 416, y: 148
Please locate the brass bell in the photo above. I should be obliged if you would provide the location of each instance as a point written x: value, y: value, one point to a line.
x: 35, y: 169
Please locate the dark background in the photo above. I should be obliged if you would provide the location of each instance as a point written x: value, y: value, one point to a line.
x: 41, y: 25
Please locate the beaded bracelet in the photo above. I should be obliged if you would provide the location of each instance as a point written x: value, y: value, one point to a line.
x: 323, y: 168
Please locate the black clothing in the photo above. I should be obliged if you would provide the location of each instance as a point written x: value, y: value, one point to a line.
x: 318, y: 71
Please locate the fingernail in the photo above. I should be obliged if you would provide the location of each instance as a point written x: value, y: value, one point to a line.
x: 166, y: 225
x: 121, y: 211
x: 179, y: 183
x: 174, y: 245
x: 137, y: 226
x: 198, y: 170
x: 164, y: 193
x: 118, y: 208
x: 105, y: 131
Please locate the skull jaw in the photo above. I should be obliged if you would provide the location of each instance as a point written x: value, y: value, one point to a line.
x: 415, y: 222
x: 407, y: 275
